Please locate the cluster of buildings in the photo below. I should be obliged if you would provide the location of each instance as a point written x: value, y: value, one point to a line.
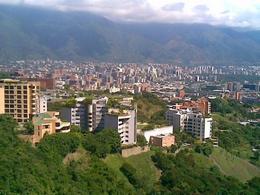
x: 246, y: 93
x: 94, y: 115
x: 166, y: 80
x: 192, y: 117
x: 23, y: 101
x: 44, y: 80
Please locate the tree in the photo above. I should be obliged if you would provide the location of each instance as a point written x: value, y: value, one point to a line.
x: 173, y: 148
x: 130, y: 172
x: 75, y: 128
x: 141, y: 141
x: 29, y: 127
x: 205, y: 148
x: 103, y: 142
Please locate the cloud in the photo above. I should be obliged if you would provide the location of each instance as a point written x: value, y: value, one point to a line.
x: 174, y: 7
x: 200, y: 9
x: 215, y: 12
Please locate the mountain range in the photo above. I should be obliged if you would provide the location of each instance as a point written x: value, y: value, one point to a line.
x: 33, y: 33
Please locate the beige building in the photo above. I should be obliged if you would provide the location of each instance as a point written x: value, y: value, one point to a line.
x: 48, y: 123
x: 162, y: 140
x: 124, y: 121
x: 19, y: 99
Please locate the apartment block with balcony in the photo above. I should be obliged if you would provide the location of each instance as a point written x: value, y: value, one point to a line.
x: 88, y: 114
x: 48, y: 123
x: 19, y: 99
x: 194, y: 123
x: 96, y: 111
x: 124, y: 121
x: 76, y: 115
x: 198, y: 125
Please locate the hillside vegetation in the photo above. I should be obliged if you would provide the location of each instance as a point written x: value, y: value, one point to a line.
x: 143, y: 165
x: 76, y: 163
x: 150, y: 109
x: 235, y: 138
x: 234, y: 166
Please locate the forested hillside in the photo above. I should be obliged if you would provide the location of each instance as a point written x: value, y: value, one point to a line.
x: 74, y: 163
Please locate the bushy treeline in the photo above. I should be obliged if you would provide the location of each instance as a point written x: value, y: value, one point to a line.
x: 230, y: 106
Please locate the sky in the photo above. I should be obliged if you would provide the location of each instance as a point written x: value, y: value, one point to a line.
x: 238, y: 13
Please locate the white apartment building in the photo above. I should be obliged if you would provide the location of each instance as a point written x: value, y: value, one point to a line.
x: 42, y: 105
x: 197, y: 125
x: 124, y: 122
x: 191, y: 122
x: 88, y: 114
x: 96, y: 111
x: 76, y: 115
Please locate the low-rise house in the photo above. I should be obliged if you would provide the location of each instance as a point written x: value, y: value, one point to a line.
x: 162, y: 140
x: 158, y: 131
x: 48, y: 123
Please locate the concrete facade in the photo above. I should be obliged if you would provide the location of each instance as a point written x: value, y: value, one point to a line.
x: 96, y: 111
x: 19, y: 99
x: 157, y: 131
x: 125, y: 123
x: 162, y: 140
x: 46, y: 124
x: 76, y: 115
x: 191, y: 122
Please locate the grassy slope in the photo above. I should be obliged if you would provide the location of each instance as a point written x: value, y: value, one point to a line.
x: 142, y: 163
x: 234, y: 166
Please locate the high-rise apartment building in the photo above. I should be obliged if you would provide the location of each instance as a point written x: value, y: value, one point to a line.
x: 88, y: 114
x: 96, y: 111
x: 77, y: 114
x: 19, y: 99
x: 124, y: 122
x: 191, y: 122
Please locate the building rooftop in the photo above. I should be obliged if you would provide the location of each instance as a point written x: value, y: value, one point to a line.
x: 40, y: 118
